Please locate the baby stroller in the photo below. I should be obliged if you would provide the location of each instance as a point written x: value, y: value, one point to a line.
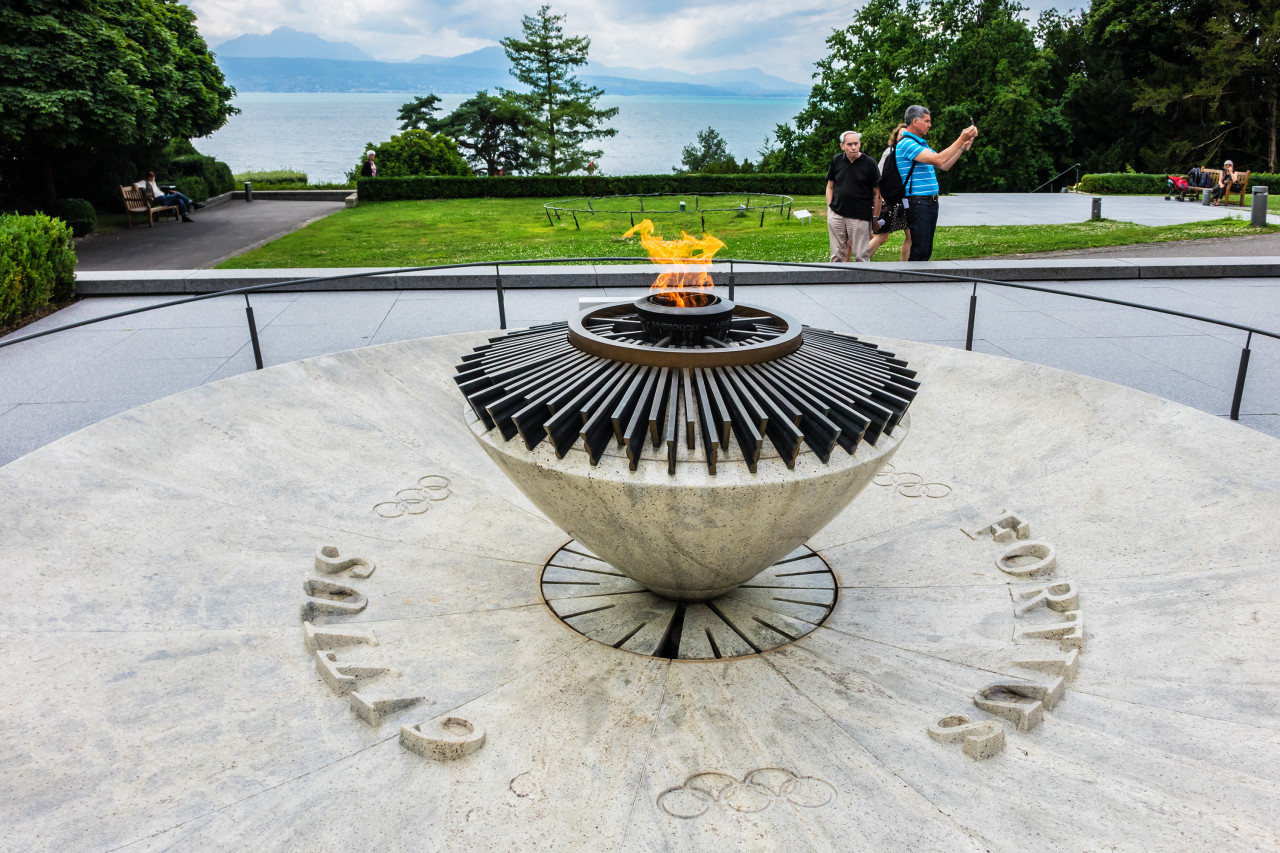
x: 1176, y: 185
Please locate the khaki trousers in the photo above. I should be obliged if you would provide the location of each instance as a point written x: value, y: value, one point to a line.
x: 850, y: 238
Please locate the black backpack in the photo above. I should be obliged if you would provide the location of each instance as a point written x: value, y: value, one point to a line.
x: 892, y: 187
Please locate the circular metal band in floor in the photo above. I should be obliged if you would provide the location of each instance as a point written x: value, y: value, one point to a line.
x: 780, y: 605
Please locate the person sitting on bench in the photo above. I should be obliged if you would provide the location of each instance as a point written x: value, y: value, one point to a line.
x: 160, y: 197
x: 1230, y: 182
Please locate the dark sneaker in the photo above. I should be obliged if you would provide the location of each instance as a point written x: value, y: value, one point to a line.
x: 187, y: 219
x: 199, y: 205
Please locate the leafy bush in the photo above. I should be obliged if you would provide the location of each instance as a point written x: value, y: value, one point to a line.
x: 79, y: 214
x: 37, y: 263
x: 418, y: 152
x: 215, y: 174
x: 193, y: 188
x: 561, y: 186
x: 1124, y: 184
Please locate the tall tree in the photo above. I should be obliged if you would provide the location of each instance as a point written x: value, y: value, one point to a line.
x: 418, y: 113
x: 81, y: 77
x: 490, y: 131
x: 563, y: 115
x: 709, y: 151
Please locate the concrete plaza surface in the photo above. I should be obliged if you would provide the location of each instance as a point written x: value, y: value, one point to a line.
x: 52, y: 386
x: 190, y: 671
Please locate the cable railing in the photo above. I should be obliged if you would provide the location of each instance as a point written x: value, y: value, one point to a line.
x: 1049, y: 183
x: 732, y: 263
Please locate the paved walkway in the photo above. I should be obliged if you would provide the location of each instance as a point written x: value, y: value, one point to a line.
x: 218, y: 232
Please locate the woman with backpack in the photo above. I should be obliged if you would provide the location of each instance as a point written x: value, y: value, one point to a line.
x: 892, y: 218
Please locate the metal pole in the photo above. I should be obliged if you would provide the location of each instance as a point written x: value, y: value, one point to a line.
x: 253, y: 333
x: 575, y: 222
x: 730, y: 281
x: 973, y: 312
x: 762, y: 217
x: 1097, y: 209
x: 502, y: 303
x: 1258, y: 212
x: 548, y: 213
x: 1244, y: 368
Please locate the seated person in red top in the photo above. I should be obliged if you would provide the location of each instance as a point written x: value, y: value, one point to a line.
x: 161, y: 198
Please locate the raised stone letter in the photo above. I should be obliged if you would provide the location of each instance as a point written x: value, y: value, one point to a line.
x: 1045, y: 559
x: 329, y: 563
x: 324, y: 639
x: 1065, y: 666
x: 344, y: 677
x: 1006, y: 528
x: 329, y: 598
x: 1060, y: 596
x: 452, y: 737
x: 1021, y: 702
x: 1069, y: 634
x: 373, y: 710
x: 981, y: 740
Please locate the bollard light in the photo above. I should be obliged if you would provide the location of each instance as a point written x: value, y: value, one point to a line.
x: 1097, y: 209
x: 1258, y: 209
x: 248, y: 190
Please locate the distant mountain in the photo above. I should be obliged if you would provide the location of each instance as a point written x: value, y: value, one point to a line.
x: 286, y: 60
x: 493, y: 57
x: 273, y: 74
x: 289, y: 43
x: 749, y: 80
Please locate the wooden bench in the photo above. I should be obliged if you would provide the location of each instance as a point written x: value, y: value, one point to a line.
x: 138, y: 203
x: 1242, y: 184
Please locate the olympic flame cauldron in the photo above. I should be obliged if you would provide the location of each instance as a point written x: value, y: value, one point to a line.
x: 688, y: 441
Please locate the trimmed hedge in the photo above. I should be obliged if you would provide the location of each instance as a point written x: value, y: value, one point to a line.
x: 37, y: 264
x: 562, y: 186
x: 215, y: 174
x: 1145, y: 184
x: 193, y: 188
x: 79, y: 214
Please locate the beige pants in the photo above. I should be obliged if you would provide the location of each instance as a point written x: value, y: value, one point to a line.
x: 850, y: 238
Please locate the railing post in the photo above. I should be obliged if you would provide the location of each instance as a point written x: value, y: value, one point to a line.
x: 973, y: 313
x: 502, y: 303
x: 1240, y: 374
x: 253, y: 333
x: 730, y: 281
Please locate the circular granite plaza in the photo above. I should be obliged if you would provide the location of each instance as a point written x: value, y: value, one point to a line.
x: 302, y: 609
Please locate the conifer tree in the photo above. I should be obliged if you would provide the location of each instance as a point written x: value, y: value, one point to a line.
x: 562, y: 111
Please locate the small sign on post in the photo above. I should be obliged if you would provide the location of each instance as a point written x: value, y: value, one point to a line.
x: 1097, y: 209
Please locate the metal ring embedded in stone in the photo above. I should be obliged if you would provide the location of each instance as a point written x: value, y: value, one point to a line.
x: 618, y: 350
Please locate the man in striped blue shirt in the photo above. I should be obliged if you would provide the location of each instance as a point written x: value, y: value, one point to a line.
x: 916, y: 163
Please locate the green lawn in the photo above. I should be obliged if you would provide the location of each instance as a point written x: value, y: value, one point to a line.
x: 423, y: 233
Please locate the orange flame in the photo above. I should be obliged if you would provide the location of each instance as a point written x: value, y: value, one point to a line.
x: 678, y: 252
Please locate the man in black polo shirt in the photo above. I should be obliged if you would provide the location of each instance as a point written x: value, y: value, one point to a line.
x: 853, y: 198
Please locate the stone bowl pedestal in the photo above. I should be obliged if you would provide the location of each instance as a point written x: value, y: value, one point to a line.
x: 696, y: 535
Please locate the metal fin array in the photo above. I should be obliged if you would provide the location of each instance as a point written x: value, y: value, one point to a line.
x: 834, y: 390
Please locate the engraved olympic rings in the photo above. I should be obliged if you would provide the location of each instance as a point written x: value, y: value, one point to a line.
x: 416, y: 500
x: 910, y: 485
x: 757, y: 791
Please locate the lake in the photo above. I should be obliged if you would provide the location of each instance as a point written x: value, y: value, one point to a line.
x: 324, y: 134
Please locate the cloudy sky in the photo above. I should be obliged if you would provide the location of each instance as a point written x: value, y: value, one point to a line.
x: 779, y: 38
